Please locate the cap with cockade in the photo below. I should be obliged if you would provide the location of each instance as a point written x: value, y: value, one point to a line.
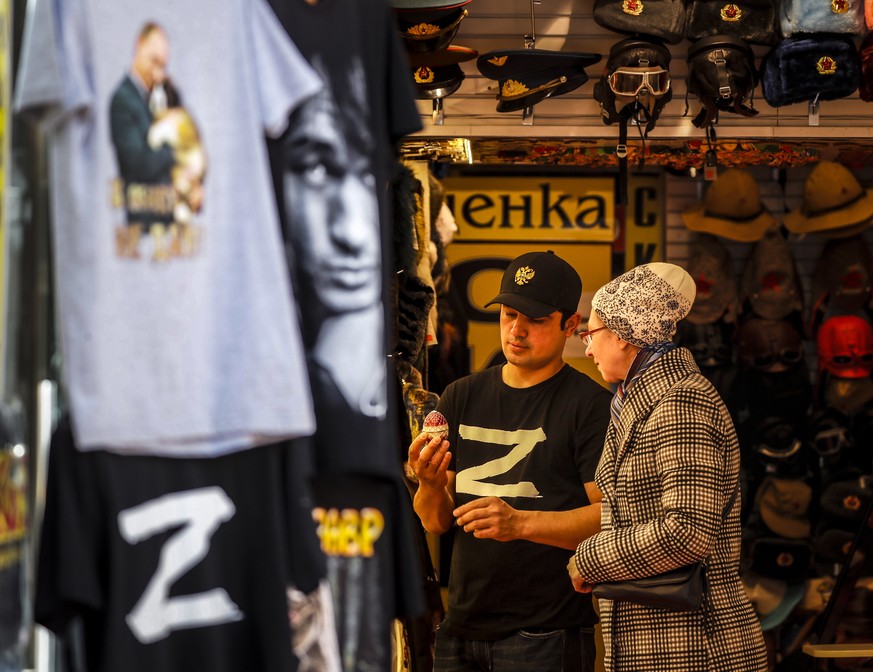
x: 538, y: 284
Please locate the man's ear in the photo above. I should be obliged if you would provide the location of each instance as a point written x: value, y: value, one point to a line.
x: 572, y: 324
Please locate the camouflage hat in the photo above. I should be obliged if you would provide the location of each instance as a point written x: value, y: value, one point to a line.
x: 732, y: 208
x: 783, y: 504
x: 832, y: 199
x: 709, y: 263
x: 844, y: 273
x: 770, y: 283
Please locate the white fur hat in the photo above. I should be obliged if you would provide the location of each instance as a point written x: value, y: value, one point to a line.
x: 643, y: 305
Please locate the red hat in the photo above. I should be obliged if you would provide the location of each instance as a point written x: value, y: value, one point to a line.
x: 845, y: 346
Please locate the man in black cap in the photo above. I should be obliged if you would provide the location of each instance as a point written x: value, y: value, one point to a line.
x: 524, y: 440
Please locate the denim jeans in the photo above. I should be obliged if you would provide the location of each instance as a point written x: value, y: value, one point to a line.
x: 552, y: 651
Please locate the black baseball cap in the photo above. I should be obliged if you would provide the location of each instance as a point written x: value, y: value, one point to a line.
x: 539, y: 283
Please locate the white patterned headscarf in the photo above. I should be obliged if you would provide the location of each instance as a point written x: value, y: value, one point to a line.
x: 643, y: 305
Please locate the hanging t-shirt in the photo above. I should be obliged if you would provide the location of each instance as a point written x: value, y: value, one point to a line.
x: 332, y: 170
x: 178, y: 329
x: 175, y: 564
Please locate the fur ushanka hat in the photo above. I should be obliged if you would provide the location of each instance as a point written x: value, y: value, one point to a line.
x: 800, y: 69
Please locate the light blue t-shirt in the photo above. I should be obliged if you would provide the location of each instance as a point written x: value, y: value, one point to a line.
x: 178, y: 330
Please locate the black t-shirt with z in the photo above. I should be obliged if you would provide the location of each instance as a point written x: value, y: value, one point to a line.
x: 535, y: 448
x: 175, y: 563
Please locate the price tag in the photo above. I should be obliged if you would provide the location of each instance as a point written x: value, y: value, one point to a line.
x: 710, y: 166
x: 814, y: 107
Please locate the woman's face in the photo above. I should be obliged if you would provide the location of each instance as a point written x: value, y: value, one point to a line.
x: 611, y: 355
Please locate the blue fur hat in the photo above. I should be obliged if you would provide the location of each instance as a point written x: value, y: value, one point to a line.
x: 845, y: 17
x: 801, y: 68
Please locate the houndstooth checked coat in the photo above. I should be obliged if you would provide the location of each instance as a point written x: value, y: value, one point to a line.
x: 668, y: 469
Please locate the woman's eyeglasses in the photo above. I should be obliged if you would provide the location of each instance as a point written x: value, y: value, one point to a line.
x: 586, y: 335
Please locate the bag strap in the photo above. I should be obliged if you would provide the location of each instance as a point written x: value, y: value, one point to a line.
x: 731, y: 501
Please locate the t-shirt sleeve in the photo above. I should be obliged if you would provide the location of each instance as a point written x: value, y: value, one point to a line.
x: 68, y: 531
x: 54, y: 76
x: 591, y: 431
x: 285, y: 79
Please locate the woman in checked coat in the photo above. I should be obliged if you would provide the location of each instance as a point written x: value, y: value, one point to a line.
x: 669, y: 469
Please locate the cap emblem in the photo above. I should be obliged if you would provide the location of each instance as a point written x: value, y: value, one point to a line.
x: 499, y: 61
x: 851, y: 503
x: 784, y: 559
x: 839, y: 6
x: 423, y: 29
x: 731, y: 12
x: 512, y: 87
x: 632, y: 7
x: 424, y: 75
x: 826, y: 66
x: 704, y: 285
x: 524, y: 275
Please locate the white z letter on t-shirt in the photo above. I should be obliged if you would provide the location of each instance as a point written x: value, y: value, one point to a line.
x: 199, y: 512
x: 469, y: 481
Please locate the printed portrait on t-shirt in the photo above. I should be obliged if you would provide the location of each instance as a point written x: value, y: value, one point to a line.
x: 335, y: 244
x: 161, y: 160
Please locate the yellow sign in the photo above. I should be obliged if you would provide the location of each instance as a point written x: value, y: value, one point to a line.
x: 644, y: 221
x: 500, y: 218
x: 538, y: 209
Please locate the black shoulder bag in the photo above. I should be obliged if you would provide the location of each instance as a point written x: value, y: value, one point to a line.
x: 680, y: 589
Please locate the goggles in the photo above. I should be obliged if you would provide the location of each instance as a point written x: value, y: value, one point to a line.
x: 832, y: 441
x: 631, y: 81
x: 787, y: 356
x: 864, y: 360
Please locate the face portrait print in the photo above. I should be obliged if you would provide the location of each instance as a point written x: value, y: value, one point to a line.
x: 332, y: 209
x: 335, y: 245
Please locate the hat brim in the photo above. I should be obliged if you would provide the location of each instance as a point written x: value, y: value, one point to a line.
x: 521, y: 102
x: 427, y: 4
x: 441, y: 90
x: 859, y: 213
x: 506, y: 63
x: 745, y: 231
x: 523, y: 304
x: 790, y: 528
x: 451, y: 55
x: 708, y: 313
x: 794, y: 593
